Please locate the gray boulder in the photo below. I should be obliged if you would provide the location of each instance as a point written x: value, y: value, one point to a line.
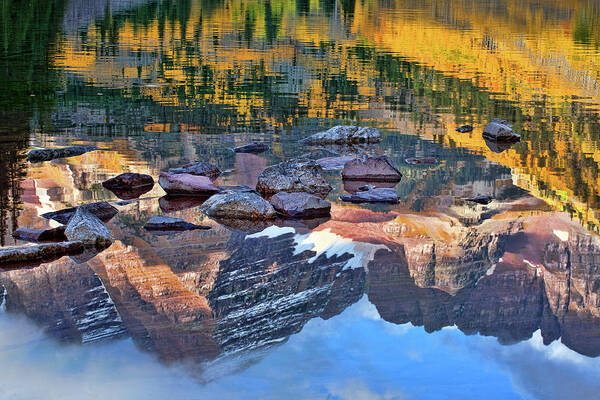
x: 377, y: 195
x: 164, y: 223
x: 101, y: 209
x: 344, y: 135
x: 199, y: 168
x: 500, y: 130
x: 296, y: 175
x: 87, y: 228
x: 300, y: 205
x: 40, y: 155
x: 238, y: 205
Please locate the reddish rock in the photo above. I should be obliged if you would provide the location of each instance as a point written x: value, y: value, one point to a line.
x: 41, y: 235
x: 300, y: 205
x: 170, y: 204
x: 187, y: 184
x: 128, y: 181
x: 371, y: 169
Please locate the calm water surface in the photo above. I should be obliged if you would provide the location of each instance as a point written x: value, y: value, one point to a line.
x: 433, y: 298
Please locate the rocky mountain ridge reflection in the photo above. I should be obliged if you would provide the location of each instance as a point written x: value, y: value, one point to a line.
x: 198, y: 296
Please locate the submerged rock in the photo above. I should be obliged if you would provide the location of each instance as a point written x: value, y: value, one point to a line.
x: 377, y: 195
x: 41, y: 235
x: 129, y: 194
x: 352, y: 186
x: 199, y: 168
x: 344, y: 135
x: 333, y: 163
x: 170, y: 204
x: 421, y: 161
x: 238, y: 205
x: 296, y: 175
x: 464, y: 129
x: 87, y: 228
x: 300, y: 205
x: 128, y: 181
x: 187, y: 184
x: 101, y: 209
x: 253, y: 147
x: 164, y: 223
x: 371, y: 169
x: 40, y: 252
x: 500, y: 130
x: 482, y: 199
x: 40, y: 155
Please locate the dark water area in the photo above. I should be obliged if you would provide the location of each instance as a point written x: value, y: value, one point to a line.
x: 431, y: 298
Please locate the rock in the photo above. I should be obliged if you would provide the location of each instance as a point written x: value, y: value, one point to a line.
x: 300, y: 205
x: 482, y: 199
x: 40, y: 155
x: 500, y: 130
x: 40, y: 252
x: 87, y: 228
x: 333, y: 163
x: 364, y: 188
x: 296, y: 175
x: 101, y: 209
x: 164, y: 223
x: 128, y: 181
x: 377, y: 195
x: 199, y: 168
x: 238, y: 205
x: 464, y: 129
x: 253, y: 147
x: 41, y: 235
x: 421, y: 161
x: 186, y: 184
x: 170, y: 204
x: 371, y: 169
x: 344, y: 135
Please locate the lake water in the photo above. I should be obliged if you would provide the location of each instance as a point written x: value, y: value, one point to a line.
x: 433, y: 298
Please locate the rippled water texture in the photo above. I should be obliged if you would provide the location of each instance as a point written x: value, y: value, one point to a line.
x: 432, y: 298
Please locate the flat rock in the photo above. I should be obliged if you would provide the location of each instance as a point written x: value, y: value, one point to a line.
x: 187, y: 184
x: 421, y: 161
x: 87, y: 228
x: 164, y: 223
x: 199, y: 168
x: 377, y: 195
x: 334, y: 163
x: 40, y: 155
x: 128, y: 181
x: 253, y: 147
x: 41, y: 235
x: 371, y: 169
x: 296, y: 175
x: 238, y: 205
x: 464, y: 129
x: 344, y: 135
x: 101, y: 209
x: 481, y: 199
x: 500, y: 130
x: 40, y: 252
x: 300, y: 205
